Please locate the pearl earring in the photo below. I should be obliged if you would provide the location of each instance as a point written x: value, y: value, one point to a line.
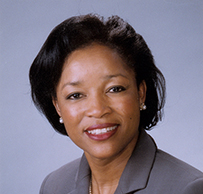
x: 143, y: 107
x: 60, y: 120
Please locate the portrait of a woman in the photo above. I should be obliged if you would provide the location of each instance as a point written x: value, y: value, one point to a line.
x: 96, y: 82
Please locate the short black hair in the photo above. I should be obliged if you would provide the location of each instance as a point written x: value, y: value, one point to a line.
x: 81, y: 31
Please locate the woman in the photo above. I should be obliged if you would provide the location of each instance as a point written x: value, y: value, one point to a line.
x: 97, y: 83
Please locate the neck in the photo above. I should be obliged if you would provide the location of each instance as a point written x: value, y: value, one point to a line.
x: 106, y: 173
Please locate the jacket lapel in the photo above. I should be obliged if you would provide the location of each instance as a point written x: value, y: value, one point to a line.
x: 135, y: 174
x: 82, y: 178
x: 138, y: 168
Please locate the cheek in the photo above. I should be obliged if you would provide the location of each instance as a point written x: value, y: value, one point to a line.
x: 129, y: 107
x: 69, y: 114
x: 72, y: 117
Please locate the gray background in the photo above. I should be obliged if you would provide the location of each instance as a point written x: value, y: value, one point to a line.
x: 30, y: 148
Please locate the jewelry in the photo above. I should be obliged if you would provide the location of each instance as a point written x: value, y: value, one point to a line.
x: 60, y: 120
x: 143, y: 106
x: 90, y: 187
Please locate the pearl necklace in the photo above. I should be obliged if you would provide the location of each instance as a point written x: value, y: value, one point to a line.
x: 90, y: 187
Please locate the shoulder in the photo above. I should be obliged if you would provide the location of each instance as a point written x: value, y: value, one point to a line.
x: 194, y: 187
x: 170, y: 162
x: 61, y: 180
x: 177, y: 173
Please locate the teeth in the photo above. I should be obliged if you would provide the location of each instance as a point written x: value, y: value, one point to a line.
x: 101, y: 131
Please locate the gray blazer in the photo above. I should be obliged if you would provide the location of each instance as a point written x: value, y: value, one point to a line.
x: 148, y: 171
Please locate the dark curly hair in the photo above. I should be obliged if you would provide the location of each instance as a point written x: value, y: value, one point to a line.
x: 80, y: 31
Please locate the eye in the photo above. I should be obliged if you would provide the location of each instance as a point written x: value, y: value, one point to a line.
x: 75, y: 96
x: 116, y: 89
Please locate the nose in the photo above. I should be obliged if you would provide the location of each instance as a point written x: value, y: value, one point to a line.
x: 98, y: 106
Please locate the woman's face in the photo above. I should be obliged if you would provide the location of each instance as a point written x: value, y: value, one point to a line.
x: 98, y: 99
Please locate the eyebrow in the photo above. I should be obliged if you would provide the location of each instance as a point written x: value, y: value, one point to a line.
x: 107, y: 77
x: 115, y: 75
x: 74, y: 83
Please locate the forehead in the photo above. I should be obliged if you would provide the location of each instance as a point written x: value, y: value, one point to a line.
x: 95, y: 55
x: 95, y: 63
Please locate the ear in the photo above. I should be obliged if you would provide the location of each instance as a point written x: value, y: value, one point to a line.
x: 142, y: 91
x: 56, y: 105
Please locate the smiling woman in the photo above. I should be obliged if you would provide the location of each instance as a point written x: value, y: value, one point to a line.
x: 101, y: 110
x: 96, y: 82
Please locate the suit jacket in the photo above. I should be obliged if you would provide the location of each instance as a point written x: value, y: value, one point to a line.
x: 148, y: 171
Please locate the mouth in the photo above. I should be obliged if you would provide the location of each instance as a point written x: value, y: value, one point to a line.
x: 102, y: 131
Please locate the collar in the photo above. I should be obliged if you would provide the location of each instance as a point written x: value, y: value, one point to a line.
x: 82, y: 178
x: 136, y: 173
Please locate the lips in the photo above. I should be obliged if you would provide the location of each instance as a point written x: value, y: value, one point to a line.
x: 101, y: 132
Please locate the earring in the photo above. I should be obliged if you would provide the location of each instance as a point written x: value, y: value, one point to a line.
x: 60, y: 120
x: 143, y: 107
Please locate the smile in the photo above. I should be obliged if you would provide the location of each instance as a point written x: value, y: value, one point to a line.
x: 102, y: 131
